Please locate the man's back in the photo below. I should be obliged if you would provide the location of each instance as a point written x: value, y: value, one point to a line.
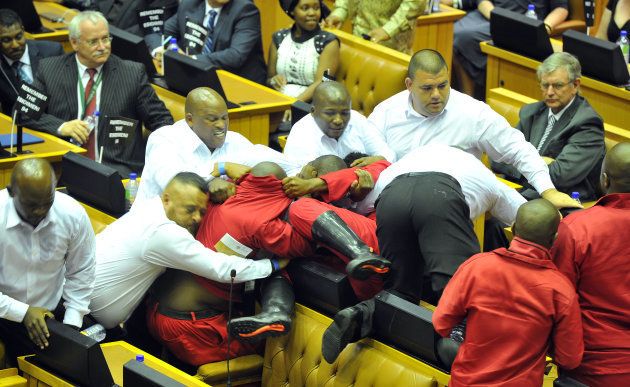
x: 592, y: 250
x: 513, y: 300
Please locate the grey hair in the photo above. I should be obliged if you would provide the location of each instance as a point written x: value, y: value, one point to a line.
x: 74, y: 31
x: 559, y: 60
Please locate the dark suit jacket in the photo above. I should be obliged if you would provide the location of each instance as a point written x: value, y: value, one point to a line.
x: 237, y: 43
x: 124, y: 13
x: 37, y: 50
x: 576, y: 142
x: 125, y: 91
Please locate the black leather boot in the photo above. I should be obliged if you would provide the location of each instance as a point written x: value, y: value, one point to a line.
x: 274, y: 319
x: 349, y: 325
x: 332, y: 231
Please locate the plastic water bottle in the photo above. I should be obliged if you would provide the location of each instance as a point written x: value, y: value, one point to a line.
x: 172, y: 45
x: 140, y: 358
x: 531, y: 12
x: 576, y: 196
x: 624, y: 44
x: 131, y: 189
x: 92, y: 121
x: 96, y: 332
x: 436, y: 6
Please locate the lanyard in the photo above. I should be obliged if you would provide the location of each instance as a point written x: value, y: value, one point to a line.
x: 86, y: 101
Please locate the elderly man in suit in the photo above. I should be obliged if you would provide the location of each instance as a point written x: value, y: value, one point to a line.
x: 90, y: 80
x: 20, y: 57
x: 564, y: 128
x: 234, y: 40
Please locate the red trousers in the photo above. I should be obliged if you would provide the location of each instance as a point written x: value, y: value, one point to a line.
x: 197, y: 341
x: 302, y: 215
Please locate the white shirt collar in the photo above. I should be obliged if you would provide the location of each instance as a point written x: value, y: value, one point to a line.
x: 208, y: 8
x: 411, y: 112
x: 26, y: 59
x: 559, y: 114
x: 83, y: 68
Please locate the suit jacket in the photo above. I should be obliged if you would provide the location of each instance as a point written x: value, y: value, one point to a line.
x: 236, y: 38
x: 576, y: 142
x: 125, y: 91
x: 9, y: 84
x: 124, y: 13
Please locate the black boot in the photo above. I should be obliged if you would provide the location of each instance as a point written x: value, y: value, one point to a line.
x: 331, y: 230
x: 349, y: 325
x: 274, y: 319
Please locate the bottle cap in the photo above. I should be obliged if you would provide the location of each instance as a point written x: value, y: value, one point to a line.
x: 173, y: 40
x: 133, y: 176
x: 575, y: 195
x: 140, y: 358
x: 530, y: 7
x: 97, y: 113
x: 623, y: 33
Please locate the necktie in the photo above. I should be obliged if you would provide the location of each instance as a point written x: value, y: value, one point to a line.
x: 550, y: 123
x: 207, y: 47
x: 21, y: 73
x: 89, y: 110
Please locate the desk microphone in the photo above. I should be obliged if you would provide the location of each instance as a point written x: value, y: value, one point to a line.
x: 229, y: 377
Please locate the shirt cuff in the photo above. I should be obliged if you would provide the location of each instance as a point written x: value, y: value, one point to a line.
x: 340, y: 12
x: 73, y: 317
x: 391, y: 28
x: 542, y: 183
x: 59, y: 130
x: 16, y: 311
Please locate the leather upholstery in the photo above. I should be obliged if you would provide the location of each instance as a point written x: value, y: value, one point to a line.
x: 371, y: 72
x: 296, y: 360
x: 244, y: 368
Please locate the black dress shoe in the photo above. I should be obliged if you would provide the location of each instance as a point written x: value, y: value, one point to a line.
x: 345, y: 329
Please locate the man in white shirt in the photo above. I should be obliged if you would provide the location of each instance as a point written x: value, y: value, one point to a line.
x: 333, y: 128
x: 430, y: 112
x: 158, y: 234
x: 425, y: 204
x: 46, y: 252
x: 197, y: 143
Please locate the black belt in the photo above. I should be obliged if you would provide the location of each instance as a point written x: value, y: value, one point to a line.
x: 190, y: 316
x: 429, y: 173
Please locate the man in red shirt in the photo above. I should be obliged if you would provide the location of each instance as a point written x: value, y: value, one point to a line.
x: 593, y: 251
x: 518, y: 306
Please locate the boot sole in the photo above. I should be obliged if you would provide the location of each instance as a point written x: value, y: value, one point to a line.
x: 364, y: 269
x: 338, y: 335
x: 249, y: 330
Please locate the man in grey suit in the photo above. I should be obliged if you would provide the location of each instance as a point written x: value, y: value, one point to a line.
x: 20, y: 57
x: 90, y: 80
x: 565, y: 129
x: 234, y: 42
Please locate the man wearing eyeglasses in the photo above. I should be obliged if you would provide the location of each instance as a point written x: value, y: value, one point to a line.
x: 20, y: 57
x: 92, y: 80
x: 564, y: 128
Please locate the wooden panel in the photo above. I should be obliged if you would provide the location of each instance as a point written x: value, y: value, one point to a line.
x: 435, y: 31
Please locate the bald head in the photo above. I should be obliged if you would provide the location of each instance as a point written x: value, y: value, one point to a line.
x: 267, y: 168
x: 428, y: 61
x: 537, y: 221
x: 207, y: 116
x: 331, y: 92
x: 328, y: 163
x: 32, y: 188
x: 616, y: 169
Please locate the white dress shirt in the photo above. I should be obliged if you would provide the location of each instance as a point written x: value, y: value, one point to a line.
x: 465, y: 123
x: 481, y: 189
x: 39, y: 265
x: 176, y: 148
x: 134, y: 250
x: 307, y: 141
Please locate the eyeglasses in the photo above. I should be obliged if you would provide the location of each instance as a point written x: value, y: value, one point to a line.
x: 556, y: 86
x: 94, y: 42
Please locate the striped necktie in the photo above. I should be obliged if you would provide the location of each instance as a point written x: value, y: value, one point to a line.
x: 207, y: 47
x: 550, y: 124
x: 89, y: 110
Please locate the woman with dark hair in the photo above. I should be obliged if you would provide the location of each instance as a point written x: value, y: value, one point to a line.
x: 299, y: 55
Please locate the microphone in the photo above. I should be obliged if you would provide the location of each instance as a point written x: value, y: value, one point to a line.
x: 229, y: 377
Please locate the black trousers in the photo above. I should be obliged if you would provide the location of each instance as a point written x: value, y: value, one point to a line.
x: 424, y: 229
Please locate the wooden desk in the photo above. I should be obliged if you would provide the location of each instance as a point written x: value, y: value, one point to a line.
x: 253, y: 121
x: 60, y: 33
x: 518, y: 73
x: 52, y: 149
x: 116, y: 355
x: 435, y: 31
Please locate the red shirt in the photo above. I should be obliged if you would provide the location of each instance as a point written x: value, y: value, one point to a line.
x: 593, y: 250
x: 253, y: 218
x: 339, y: 182
x: 515, y: 302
